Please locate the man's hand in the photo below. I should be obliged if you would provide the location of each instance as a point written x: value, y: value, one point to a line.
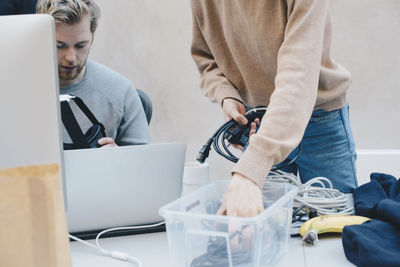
x: 243, y: 198
x: 107, y: 142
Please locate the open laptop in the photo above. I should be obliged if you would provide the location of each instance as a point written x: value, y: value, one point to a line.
x: 122, y: 186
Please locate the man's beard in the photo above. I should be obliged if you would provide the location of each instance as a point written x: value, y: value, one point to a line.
x: 70, y: 75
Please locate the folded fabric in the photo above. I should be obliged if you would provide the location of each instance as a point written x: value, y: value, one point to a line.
x: 388, y: 210
x: 367, y: 196
x: 376, y: 242
x: 389, y: 184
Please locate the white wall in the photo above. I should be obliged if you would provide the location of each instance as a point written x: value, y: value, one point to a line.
x: 366, y: 41
x: 149, y: 42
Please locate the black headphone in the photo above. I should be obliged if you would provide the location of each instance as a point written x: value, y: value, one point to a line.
x: 80, y: 140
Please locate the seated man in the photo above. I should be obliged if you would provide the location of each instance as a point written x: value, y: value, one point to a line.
x: 110, y: 96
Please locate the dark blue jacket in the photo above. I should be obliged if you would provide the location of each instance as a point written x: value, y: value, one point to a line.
x: 376, y: 242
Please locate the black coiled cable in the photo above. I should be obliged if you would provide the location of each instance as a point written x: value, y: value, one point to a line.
x: 221, y: 136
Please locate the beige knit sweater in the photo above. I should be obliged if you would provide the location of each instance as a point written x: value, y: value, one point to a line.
x: 269, y: 52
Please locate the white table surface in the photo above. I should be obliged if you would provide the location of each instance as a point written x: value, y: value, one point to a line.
x: 152, y: 250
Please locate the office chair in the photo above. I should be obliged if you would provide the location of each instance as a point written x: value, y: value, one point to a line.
x: 146, y: 103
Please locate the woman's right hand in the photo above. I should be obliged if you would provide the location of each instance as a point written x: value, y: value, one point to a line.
x: 233, y: 109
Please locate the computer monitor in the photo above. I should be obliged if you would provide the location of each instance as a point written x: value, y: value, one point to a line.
x: 29, y: 106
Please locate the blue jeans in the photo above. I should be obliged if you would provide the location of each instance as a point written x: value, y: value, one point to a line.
x: 328, y: 150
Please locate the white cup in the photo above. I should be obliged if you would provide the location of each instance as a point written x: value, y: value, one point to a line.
x: 195, y: 175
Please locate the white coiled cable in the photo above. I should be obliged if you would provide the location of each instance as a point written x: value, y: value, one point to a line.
x: 314, y: 194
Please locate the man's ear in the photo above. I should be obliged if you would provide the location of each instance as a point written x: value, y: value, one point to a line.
x: 92, y: 38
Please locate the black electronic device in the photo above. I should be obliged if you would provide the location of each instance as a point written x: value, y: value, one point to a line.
x: 235, y: 133
x: 239, y: 134
x: 80, y: 140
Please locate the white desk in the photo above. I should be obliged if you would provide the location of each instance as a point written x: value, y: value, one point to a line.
x: 152, y: 250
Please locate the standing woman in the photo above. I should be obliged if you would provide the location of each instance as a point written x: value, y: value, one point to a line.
x: 276, y: 53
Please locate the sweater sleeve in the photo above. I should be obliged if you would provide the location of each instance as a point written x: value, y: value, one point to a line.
x: 212, y: 80
x: 133, y: 129
x: 296, y: 86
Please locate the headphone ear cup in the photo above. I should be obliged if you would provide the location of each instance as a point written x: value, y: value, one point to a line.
x: 93, y: 134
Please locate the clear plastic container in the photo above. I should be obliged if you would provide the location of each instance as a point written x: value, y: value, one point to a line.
x: 197, y: 237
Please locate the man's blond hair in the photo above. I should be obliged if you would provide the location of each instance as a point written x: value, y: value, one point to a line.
x: 70, y: 11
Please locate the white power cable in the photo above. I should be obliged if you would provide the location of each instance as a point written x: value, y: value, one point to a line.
x: 116, y: 254
x: 314, y: 194
x: 256, y: 109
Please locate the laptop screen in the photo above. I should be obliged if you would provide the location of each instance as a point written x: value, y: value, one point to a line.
x: 29, y: 107
x: 121, y: 186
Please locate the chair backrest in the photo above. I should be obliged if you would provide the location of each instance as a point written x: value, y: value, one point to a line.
x: 147, y: 105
